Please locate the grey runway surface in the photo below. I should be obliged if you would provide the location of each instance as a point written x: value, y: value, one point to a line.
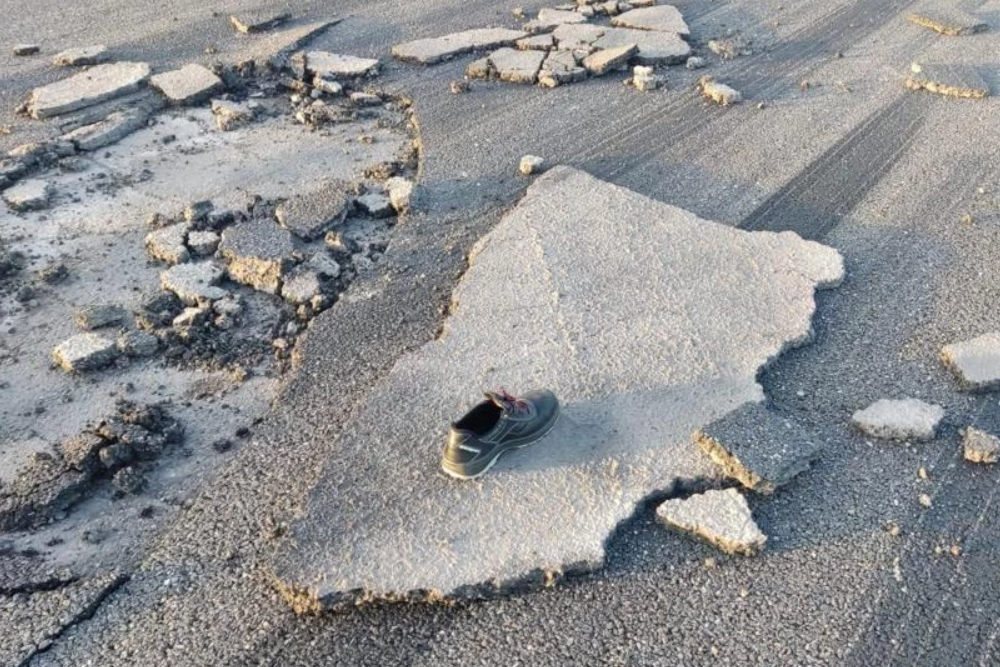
x: 852, y: 159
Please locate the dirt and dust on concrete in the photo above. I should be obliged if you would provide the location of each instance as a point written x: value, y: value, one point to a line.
x: 161, y: 261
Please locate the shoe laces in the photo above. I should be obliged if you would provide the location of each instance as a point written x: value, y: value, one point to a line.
x: 518, y: 405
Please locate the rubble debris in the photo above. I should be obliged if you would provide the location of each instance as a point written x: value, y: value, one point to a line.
x: 661, y: 18
x: 510, y: 65
x: 951, y: 22
x: 643, y: 78
x: 81, y: 57
x: 376, y: 205
x: 400, y: 191
x: 97, y: 316
x: 26, y: 49
x: 948, y: 80
x: 257, y: 21
x: 605, y: 60
x: 324, y: 265
x: 52, y: 273
x: 230, y: 115
x: 327, y: 86
x: 258, y: 253
x: 560, y: 67
x: 203, y: 244
x: 722, y: 518
x: 695, y: 62
x: 905, y: 419
x: 29, y: 195
x: 655, y: 48
x: 549, y: 18
x: 758, y: 447
x: 138, y: 344
x: 544, y: 42
x: 717, y: 92
x: 168, y: 244
x: 87, y: 88
x: 976, y: 362
x: 85, y: 352
x: 530, y: 164
x: 311, y: 214
x: 300, y: 286
x: 365, y: 99
x: 577, y: 37
x: 436, y: 49
x: 128, y: 480
x: 196, y: 211
x: 188, y: 85
x: 194, y: 282
x: 319, y: 113
x: 729, y: 48
x: 192, y: 316
x: 44, y: 488
x: 979, y: 446
x: 115, y: 127
x: 329, y: 66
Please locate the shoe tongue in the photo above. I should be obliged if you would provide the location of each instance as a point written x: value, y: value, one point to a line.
x: 498, y: 400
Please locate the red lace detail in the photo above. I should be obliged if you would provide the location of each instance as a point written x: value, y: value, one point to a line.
x: 520, y: 405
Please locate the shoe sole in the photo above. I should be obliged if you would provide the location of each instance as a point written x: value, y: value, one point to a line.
x: 509, y: 448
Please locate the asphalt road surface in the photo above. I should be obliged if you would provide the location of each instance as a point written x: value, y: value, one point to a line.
x: 840, y: 152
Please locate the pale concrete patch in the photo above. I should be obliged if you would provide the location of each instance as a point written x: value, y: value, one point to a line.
x: 645, y: 320
x: 663, y: 18
x: 189, y: 84
x: 721, y: 518
x: 904, y: 419
x: 436, y: 49
x: 976, y: 362
x: 87, y: 88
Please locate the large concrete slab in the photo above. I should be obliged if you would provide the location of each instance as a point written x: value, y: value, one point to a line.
x: 663, y: 18
x: 87, y: 88
x: 436, y: 49
x: 655, y: 48
x: 647, y: 322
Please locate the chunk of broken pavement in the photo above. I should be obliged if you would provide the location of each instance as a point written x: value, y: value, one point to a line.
x: 203, y: 244
x: 758, y: 447
x: 951, y: 22
x: 258, y: 253
x: 300, y: 286
x: 695, y: 62
x: 365, y: 99
x: 116, y: 126
x: 328, y: 65
x: 979, y: 446
x: 167, y: 244
x: 194, y: 283
x: 230, y: 115
x: 29, y: 195
x: 605, y: 60
x: 436, y: 49
x: 79, y: 57
x: 513, y: 65
x: 948, y: 80
x: 662, y: 18
x: 257, y: 21
x: 643, y: 78
x: 560, y: 67
x: 87, y: 88
x: 85, y: 352
x: 376, y: 205
x: 655, y: 48
x: 99, y: 315
x: 187, y: 85
x: 530, y: 164
x: 717, y: 92
x: 574, y: 37
x: 80, y: 451
x: 26, y: 49
x: 722, y: 518
x: 45, y: 487
x: 905, y: 419
x: 400, y: 191
x: 537, y: 43
x: 138, y: 343
x: 976, y: 362
x: 549, y: 18
x: 311, y: 214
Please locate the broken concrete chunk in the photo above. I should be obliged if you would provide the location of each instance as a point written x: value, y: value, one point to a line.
x: 605, y: 60
x: 758, y: 447
x: 560, y: 67
x: 906, y: 419
x: 138, y: 344
x: 400, y: 191
x: 717, y: 92
x: 662, y: 18
x: 85, y: 352
x: 479, y: 68
x: 168, y: 244
x: 79, y: 57
x: 643, y: 78
x: 324, y: 265
x: 694, y: 62
x: 311, y: 214
x: 730, y: 47
x: 516, y: 66
x: 230, y: 115
x: 434, y: 50
x: 537, y: 43
x: 128, y: 480
x: 115, y: 127
x: 530, y: 164
x: 196, y: 211
x: 976, y: 362
x: 336, y: 66
x: 194, y: 283
x: 951, y: 22
x: 549, y: 18
x: 192, y: 316
x: 258, y: 253
x: 203, y: 244
x: 187, y: 85
x: 376, y: 205
x: 722, y: 518
x: 46, y: 487
x: 979, y: 446
x: 573, y: 37
x: 80, y: 451
x: 327, y: 85
x: 655, y: 48
x: 300, y: 286
x: 257, y: 21
x: 365, y: 99
x: 29, y: 195
x: 948, y: 80
x: 26, y: 49
x: 99, y: 315
x: 87, y: 88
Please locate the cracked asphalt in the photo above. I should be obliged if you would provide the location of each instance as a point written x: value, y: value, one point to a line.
x: 852, y: 159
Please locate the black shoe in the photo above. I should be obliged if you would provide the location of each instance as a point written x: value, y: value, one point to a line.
x: 496, y: 426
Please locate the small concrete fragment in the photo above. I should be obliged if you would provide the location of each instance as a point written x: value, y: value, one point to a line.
x: 300, y: 287
x: 905, y: 419
x: 434, y: 50
x: 168, y: 244
x: 979, y: 446
x: 194, y: 283
x: 99, y: 315
x: 80, y: 57
x: 560, y: 67
x: 87, y: 88
x: 695, y: 62
x: 118, y: 125
x: 45, y: 487
x: 976, y: 362
x: 376, y: 205
x: 258, y: 253
x: 323, y: 265
x: 230, y: 115
x: 948, y: 80
x: 249, y: 22
x: 188, y: 85
x: 951, y: 22
x: 537, y: 43
x: 758, y: 447
x: 29, y: 195
x: 719, y: 93
x: 138, y: 344
x: 721, y: 518
x: 203, y: 244
x: 400, y: 191
x: 311, y: 214
x: 549, y: 19
x: 516, y: 66
x: 661, y: 18
x: 26, y: 49
x: 328, y: 65
x: 363, y: 99
x: 85, y: 352
x: 643, y: 78
x: 603, y: 61
x: 530, y: 164
x: 655, y: 48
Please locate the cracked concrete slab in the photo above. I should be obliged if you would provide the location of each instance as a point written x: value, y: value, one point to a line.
x: 721, y: 518
x: 436, y: 49
x: 87, y: 88
x: 662, y: 18
x: 655, y: 48
x: 625, y: 307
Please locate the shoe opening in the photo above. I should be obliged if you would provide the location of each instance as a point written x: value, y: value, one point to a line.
x: 481, y: 419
